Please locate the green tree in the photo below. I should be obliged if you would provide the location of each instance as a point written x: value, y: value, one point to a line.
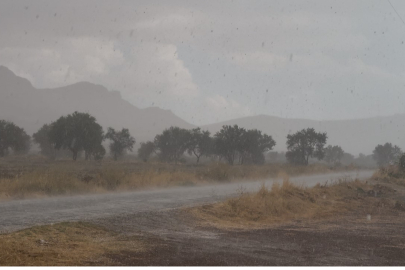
x: 254, y: 145
x: 13, y: 138
x: 333, y: 154
x: 347, y: 159
x: 365, y: 161
x: 121, y: 141
x: 200, y: 143
x: 146, y: 150
x: 387, y: 153
x: 172, y: 143
x: 77, y: 132
x: 305, y: 144
x: 41, y: 137
x: 401, y: 163
x: 229, y: 142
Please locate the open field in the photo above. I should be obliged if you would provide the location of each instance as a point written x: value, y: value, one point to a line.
x: 348, y: 223
x: 36, y: 177
x: 367, y: 231
x: 21, y: 214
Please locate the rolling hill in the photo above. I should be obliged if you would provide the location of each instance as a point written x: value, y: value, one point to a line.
x: 354, y: 136
x: 30, y: 108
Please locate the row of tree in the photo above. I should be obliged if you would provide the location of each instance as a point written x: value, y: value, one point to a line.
x: 231, y: 143
x: 234, y: 145
x: 80, y: 132
x: 333, y: 156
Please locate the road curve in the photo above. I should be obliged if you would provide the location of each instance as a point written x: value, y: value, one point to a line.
x: 16, y: 215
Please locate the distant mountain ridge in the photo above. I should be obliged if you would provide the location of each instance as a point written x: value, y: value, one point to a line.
x: 30, y: 107
x: 354, y: 136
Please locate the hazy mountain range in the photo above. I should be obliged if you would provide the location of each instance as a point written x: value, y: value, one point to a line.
x: 30, y: 108
x: 354, y: 136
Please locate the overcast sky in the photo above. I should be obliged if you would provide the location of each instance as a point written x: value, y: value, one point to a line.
x: 209, y: 61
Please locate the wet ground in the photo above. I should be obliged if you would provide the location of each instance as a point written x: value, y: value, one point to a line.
x: 177, y: 239
x: 351, y: 239
x: 20, y: 214
x: 174, y: 237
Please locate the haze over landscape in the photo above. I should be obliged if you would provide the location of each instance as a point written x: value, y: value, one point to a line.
x: 31, y: 108
x: 147, y: 66
x: 321, y: 60
x: 202, y: 133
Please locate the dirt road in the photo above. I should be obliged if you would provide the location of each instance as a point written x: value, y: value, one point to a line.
x: 15, y: 215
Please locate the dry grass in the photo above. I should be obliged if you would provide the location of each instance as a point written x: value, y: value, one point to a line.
x: 287, y: 202
x: 70, y: 180
x: 224, y: 172
x: 63, y: 244
x: 390, y: 174
x: 31, y: 178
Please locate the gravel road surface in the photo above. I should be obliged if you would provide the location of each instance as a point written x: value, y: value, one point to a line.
x: 19, y: 214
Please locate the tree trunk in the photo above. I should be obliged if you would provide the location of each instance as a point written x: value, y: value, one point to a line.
x: 230, y: 160
x: 197, y: 156
x: 74, y: 155
x: 53, y: 154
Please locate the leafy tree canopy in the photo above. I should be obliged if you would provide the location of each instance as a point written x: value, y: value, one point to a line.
x: 77, y: 132
x: 13, y: 138
x: 121, y: 141
x: 387, y: 153
x: 146, y: 150
x: 333, y: 154
x: 200, y: 144
x: 229, y: 142
x: 305, y: 144
x: 41, y: 137
x: 254, y: 145
x: 233, y: 142
x: 172, y: 143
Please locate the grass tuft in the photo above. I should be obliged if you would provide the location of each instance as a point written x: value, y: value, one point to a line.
x: 286, y: 202
x: 63, y: 244
x: 390, y: 174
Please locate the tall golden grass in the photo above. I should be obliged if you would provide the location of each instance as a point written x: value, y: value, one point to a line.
x: 64, y: 244
x: 282, y: 203
x: 68, y: 177
x: 390, y: 174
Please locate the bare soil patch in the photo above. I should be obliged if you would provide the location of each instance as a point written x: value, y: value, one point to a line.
x: 348, y: 240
